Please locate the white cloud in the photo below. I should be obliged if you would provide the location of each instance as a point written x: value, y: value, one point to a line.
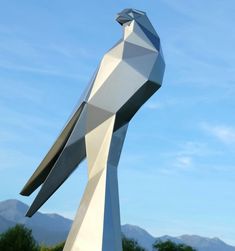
x: 14, y: 160
x: 184, y: 162
x: 178, y: 163
x: 225, y: 134
x: 18, y: 54
x: 40, y: 70
x: 156, y: 103
x: 197, y: 149
x: 153, y: 105
x: 14, y: 90
x: 191, y: 156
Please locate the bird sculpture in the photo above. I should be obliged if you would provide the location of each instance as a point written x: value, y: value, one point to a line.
x: 127, y: 76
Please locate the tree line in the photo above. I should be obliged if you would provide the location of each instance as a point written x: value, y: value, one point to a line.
x: 20, y: 238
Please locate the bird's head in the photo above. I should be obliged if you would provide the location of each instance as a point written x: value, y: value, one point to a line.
x: 135, y: 21
x: 128, y: 15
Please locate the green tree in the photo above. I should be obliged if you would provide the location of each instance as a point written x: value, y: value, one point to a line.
x: 58, y: 247
x: 44, y: 248
x: 131, y: 245
x: 18, y: 238
x: 171, y: 246
x: 128, y: 245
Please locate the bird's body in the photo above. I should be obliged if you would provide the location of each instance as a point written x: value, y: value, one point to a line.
x: 127, y: 76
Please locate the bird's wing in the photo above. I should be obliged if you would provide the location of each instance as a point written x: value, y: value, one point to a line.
x: 50, y: 159
x: 69, y: 158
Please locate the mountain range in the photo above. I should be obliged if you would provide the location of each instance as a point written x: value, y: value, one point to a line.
x: 46, y: 228
x: 50, y: 229
x: 199, y: 243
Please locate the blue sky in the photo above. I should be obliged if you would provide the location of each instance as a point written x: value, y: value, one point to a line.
x: 177, y: 170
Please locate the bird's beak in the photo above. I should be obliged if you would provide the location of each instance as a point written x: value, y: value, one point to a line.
x: 123, y: 18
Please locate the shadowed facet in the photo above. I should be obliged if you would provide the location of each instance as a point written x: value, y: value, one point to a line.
x: 48, y: 162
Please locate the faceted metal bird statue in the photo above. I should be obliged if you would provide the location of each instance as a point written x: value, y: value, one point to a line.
x: 128, y: 75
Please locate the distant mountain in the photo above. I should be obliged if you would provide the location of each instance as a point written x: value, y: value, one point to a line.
x: 206, y: 244
x: 143, y: 237
x: 52, y: 228
x: 199, y: 243
x: 5, y: 224
x: 46, y: 228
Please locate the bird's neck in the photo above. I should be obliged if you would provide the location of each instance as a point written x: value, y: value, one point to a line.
x: 136, y: 33
x: 129, y: 28
x: 136, y: 26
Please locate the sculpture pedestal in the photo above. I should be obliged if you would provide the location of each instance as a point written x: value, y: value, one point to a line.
x: 97, y: 223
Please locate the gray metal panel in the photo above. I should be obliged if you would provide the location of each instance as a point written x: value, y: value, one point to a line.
x: 81, y: 213
x: 71, y: 156
x: 48, y: 162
